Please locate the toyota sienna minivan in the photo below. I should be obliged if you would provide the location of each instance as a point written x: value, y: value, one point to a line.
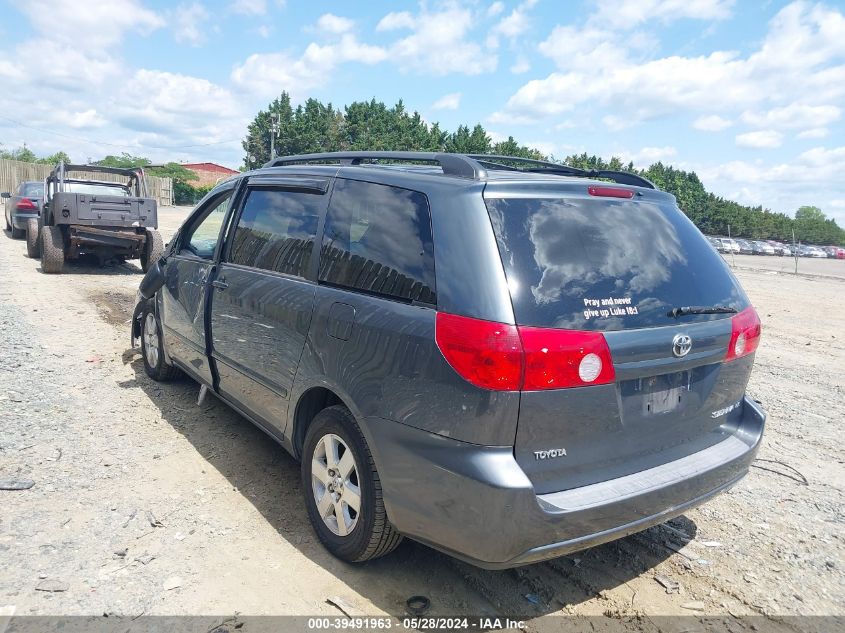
x: 505, y: 359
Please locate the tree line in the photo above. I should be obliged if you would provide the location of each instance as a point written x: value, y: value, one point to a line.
x: 370, y: 125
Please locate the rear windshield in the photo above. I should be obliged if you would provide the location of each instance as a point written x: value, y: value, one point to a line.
x: 33, y: 189
x: 607, y: 265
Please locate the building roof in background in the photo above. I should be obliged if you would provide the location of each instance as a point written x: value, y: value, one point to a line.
x: 209, y: 167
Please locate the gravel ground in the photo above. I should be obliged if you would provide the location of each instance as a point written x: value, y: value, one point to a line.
x: 145, y: 503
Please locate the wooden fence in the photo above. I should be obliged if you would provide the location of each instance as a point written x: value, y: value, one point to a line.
x: 13, y: 172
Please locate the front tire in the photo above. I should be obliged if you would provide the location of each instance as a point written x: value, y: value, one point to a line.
x: 153, y: 248
x: 152, y: 349
x: 33, y: 248
x: 342, y: 489
x: 52, y: 250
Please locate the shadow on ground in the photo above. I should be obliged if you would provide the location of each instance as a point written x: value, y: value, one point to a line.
x: 270, y: 479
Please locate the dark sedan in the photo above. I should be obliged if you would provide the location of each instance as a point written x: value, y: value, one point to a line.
x: 23, y: 204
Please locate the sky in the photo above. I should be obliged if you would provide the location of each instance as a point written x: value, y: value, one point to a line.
x: 748, y: 94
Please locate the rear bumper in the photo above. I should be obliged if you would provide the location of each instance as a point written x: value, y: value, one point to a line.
x: 20, y: 218
x: 476, y: 503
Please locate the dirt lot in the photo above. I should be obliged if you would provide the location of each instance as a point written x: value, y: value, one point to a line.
x: 146, y: 503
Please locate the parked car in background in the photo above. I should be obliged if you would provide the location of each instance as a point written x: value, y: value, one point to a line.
x: 808, y: 250
x: 745, y: 247
x: 363, y: 309
x: 834, y: 252
x: 780, y: 248
x: 727, y: 245
x: 763, y: 248
x: 22, y: 205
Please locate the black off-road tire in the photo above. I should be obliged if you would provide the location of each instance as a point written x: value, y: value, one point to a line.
x: 153, y: 248
x: 52, y: 250
x: 158, y: 370
x: 33, y: 248
x: 373, y: 535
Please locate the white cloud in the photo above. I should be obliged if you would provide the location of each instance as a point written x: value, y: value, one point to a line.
x: 495, y: 9
x: 334, y: 24
x: 100, y: 24
x: 513, y: 25
x: 396, y: 20
x: 630, y: 13
x: 816, y: 132
x: 544, y: 147
x: 521, y: 65
x: 812, y: 177
x: 264, y: 31
x: 793, y: 116
x: 267, y: 74
x: 187, y: 20
x: 249, y: 7
x: 711, y: 123
x: 649, y: 155
x: 761, y: 139
x: 88, y: 119
x: 450, y: 101
x: 597, y: 67
x: 440, y: 44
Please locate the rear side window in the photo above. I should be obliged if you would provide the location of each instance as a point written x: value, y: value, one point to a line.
x: 588, y: 264
x: 378, y: 240
x: 276, y: 231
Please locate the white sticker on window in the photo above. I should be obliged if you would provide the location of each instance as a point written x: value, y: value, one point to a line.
x: 606, y: 307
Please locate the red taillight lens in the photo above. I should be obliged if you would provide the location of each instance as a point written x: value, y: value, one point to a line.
x: 610, y: 192
x: 557, y: 359
x: 26, y: 203
x: 505, y: 357
x: 485, y: 353
x: 745, y: 334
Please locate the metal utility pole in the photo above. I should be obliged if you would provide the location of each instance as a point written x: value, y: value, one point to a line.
x: 733, y: 258
x: 274, y: 129
x: 795, y: 251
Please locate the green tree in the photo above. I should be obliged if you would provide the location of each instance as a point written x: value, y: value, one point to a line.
x: 124, y: 161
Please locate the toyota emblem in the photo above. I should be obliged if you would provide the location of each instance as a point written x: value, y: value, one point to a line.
x: 681, y: 345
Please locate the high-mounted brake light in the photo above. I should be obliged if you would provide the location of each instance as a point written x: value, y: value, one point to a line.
x: 610, y: 192
x: 505, y: 357
x: 26, y: 203
x: 745, y: 334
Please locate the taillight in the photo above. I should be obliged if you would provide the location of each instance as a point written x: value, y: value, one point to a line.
x: 745, y: 334
x: 505, y: 357
x: 557, y: 359
x: 485, y: 353
x: 26, y: 203
x: 610, y: 192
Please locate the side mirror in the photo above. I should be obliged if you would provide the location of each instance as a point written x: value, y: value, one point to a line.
x: 154, y: 279
x: 5, y: 194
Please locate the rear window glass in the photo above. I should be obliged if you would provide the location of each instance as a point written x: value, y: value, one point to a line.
x: 97, y: 190
x: 276, y: 231
x: 33, y: 189
x: 378, y: 240
x: 606, y: 265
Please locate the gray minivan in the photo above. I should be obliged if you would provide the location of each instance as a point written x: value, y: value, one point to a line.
x: 508, y: 360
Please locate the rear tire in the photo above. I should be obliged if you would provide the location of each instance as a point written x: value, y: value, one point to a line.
x: 33, y: 248
x: 52, y: 250
x: 152, y: 349
x: 338, y: 473
x: 153, y: 248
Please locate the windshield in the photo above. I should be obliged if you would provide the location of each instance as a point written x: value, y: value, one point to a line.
x: 97, y: 189
x: 590, y: 264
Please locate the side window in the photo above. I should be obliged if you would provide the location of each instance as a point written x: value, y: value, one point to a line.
x: 201, y: 239
x: 276, y: 230
x: 378, y: 240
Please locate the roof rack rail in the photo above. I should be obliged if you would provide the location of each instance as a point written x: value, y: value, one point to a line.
x: 452, y: 164
x: 492, y: 161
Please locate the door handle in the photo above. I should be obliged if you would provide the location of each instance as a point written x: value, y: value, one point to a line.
x: 220, y: 283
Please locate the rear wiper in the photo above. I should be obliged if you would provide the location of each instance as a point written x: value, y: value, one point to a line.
x: 684, y: 311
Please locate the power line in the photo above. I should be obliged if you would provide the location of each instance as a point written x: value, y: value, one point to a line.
x: 85, y: 140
